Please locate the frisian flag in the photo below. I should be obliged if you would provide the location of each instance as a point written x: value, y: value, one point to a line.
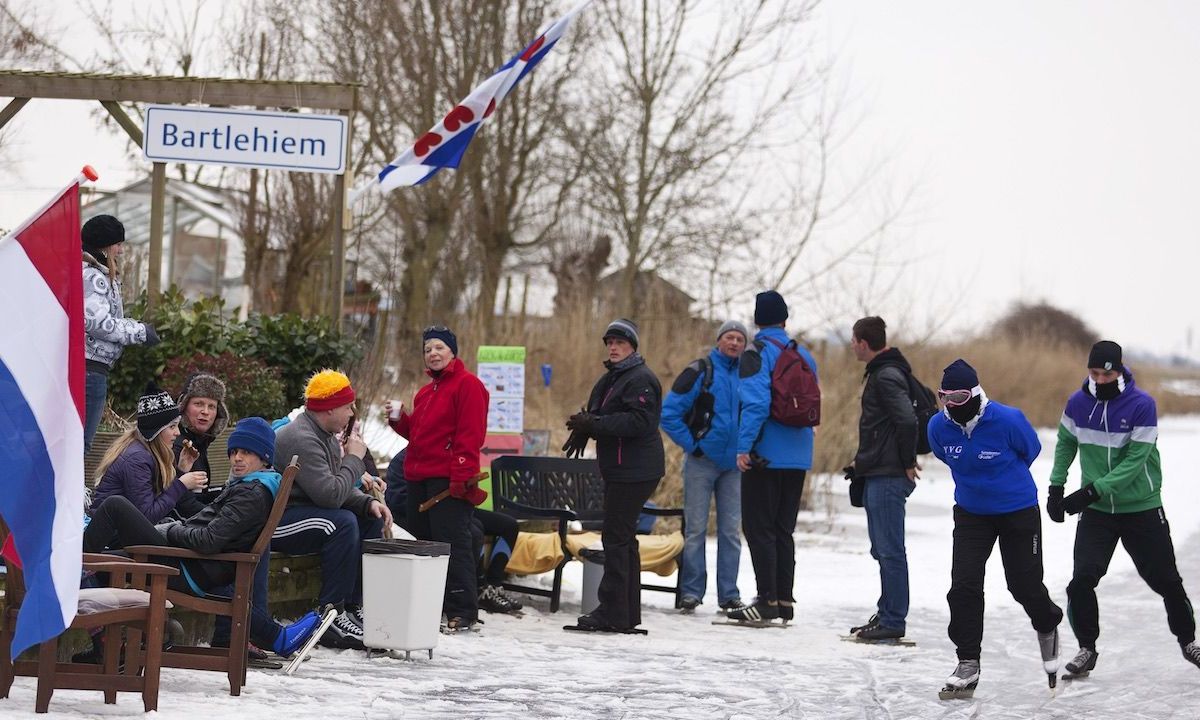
x: 41, y: 413
x: 443, y: 146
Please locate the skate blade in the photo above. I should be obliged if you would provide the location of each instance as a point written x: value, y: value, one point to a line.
x: 751, y: 623
x: 900, y: 642
x: 956, y: 693
x: 1076, y: 676
x: 264, y: 664
x: 301, y: 656
x: 610, y: 631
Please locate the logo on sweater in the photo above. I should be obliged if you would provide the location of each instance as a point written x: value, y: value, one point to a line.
x: 988, y: 454
x: 953, y: 450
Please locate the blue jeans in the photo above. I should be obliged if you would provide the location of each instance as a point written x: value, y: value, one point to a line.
x: 702, y: 480
x: 884, y: 499
x: 95, y: 395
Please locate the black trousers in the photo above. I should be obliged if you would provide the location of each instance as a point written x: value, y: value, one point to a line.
x: 1020, y: 536
x: 770, y: 503
x: 1147, y: 538
x: 620, y: 591
x: 504, y: 529
x: 449, y: 521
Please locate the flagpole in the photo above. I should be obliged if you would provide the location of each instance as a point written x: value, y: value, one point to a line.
x: 87, y: 174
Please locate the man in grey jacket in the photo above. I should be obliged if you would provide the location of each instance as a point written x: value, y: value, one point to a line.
x: 328, y: 511
x: 886, y: 463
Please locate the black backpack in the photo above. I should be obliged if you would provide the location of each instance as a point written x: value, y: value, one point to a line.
x: 924, y: 403
x: 699, y: 417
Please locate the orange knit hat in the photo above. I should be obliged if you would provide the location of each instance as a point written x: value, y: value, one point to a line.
x: 327, y: 390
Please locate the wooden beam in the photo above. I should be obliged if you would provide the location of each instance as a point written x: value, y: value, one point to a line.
x: 158, y: 191
x: 12, y: 109
x: 179, y: 90
x: 127, y: 124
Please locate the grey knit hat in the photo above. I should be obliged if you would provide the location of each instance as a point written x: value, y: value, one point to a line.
x: 733, y: 325
x: 623, y: 328
x: 203, y: 385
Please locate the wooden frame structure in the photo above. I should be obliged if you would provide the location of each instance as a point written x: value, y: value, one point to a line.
x: 111, y: 90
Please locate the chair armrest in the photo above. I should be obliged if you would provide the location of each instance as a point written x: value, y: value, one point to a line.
x: 104, y: 557
x: 663, y: 512
x: 142, y: 551
x: 566, y: 515
x: 128, y: 566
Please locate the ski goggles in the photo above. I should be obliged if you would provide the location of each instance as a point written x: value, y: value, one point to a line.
x: 954, y: 398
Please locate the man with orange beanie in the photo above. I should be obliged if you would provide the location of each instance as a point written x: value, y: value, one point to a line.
x: 328, y: 512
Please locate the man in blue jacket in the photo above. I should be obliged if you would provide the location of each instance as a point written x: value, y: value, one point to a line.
x: 774, y: 459
x: 701, y: 415
x: 989, y: 448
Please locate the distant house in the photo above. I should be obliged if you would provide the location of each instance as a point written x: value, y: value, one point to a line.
x: 656, y: 296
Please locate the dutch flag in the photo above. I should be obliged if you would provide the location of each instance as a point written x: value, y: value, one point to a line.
x: 41, y: 413
x: 443, y: 146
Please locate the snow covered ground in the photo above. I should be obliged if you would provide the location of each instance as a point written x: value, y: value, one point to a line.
x: 686, y: 668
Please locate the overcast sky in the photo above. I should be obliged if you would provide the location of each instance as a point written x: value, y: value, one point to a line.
x: 1053, y: 147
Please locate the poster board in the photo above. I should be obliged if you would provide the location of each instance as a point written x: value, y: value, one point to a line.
x: 501, y: 369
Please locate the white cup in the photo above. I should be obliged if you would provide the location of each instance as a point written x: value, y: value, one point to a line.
x: 397, y: 407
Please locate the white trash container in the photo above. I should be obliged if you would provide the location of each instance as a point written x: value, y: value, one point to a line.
x: 404, y: 582
x: 593, y: 573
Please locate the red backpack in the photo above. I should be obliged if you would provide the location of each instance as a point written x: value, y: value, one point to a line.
x: 795, y: 395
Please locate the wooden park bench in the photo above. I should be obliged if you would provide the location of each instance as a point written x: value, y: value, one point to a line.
x: 561, y: 490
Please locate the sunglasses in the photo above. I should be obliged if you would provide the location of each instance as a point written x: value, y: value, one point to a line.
x: 954, y: 398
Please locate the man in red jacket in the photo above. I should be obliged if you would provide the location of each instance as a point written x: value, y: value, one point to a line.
x: 445, y: 430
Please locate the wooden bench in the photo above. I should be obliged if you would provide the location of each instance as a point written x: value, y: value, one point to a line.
x: 560, y: 490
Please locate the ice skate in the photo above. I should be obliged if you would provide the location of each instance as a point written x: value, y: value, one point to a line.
x: 961, y: 683
x: 872, y: 621
x: 1048, y: 644
x: 1082, y: 664
x: 1191, y: 653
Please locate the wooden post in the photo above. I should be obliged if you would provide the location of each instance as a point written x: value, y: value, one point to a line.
x: 11, y: 109
x: 158, y: 190
x: 172, y: 257
x: 337, y: 250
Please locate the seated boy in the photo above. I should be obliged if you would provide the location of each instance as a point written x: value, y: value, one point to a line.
x: 231, y: 523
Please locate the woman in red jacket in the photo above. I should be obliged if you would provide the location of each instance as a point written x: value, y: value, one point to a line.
x: 445, y: 430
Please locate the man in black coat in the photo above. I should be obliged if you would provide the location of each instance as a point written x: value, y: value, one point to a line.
x: 886, y: 464
x: 622, y: 414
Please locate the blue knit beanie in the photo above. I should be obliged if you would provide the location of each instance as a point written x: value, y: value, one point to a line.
x: 958, y: 375
x: 769, y: 309
x: 255, y: 435
x: 443, y: 333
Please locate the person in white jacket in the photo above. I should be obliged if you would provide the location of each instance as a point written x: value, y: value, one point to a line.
x: 107, y: 329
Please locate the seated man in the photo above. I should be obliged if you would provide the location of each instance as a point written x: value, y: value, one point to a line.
x: 328, y: 513
x: 231, y: 523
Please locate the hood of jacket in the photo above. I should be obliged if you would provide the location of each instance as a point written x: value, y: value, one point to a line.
x: 889, y: 356
x: 269, y: 478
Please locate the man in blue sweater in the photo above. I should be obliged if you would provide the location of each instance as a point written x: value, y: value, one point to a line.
x: 989, y: 448
x: 701, y: 415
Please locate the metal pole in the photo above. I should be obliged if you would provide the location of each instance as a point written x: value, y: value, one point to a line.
x: 171, y: 258
x: 158, y: 189
x: 337, y: 264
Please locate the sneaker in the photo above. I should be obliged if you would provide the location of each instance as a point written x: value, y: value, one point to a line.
x: 255, y: 653
x: 964, y: 676
x: 1083, y: 662
x: 344, y: 634
x: 880, y: 632
x: 731, y: 604
x: 689, y: 604
x: 356, y: 614
x: 1191, y: 652
x: 460, y: 624
x: 292, y: 637
x: 760, y: 611
x: 495, y: 600
x: 1048, y: 644
x: 872, y: 621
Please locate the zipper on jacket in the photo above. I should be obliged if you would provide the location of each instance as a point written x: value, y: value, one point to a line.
x: 620, y: 444
x: 1112, y: 500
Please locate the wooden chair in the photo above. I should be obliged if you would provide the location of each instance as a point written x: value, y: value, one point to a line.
x: 53, y: 675
x: 560, y: 490
x: 231, y: 660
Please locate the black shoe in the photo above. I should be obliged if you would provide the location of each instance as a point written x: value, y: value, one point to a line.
x: 343, y: 634
x: 1191, y: 652
x: 731, y: 604
x: 786, y: 612
x: 1083, y: 662
x: 495, y: 600
x: 871, y: 622
x: 593, y: 621
x: 880, y: 632
x: 689, y: 604
x: 760, y: 611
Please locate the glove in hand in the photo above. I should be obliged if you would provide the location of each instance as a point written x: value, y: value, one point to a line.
x: 152, y: 338
x: 583, y: 422
x: 575, y: 445
x: 1054, y: 503
x: 1080, y: 499
x: 469, y: 491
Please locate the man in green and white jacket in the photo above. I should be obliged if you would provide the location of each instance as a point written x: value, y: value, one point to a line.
x: 1113, y: 425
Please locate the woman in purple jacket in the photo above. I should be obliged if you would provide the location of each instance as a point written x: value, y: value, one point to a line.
x: 138, y: 466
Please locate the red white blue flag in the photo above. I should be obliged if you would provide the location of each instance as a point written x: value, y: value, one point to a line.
x: 41, y: 413
x: 443, y: 146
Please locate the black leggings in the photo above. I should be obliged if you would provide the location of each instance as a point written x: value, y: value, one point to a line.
x: 503, y: 528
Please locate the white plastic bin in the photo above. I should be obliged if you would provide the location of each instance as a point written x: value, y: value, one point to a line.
x: 593, y: 573
x: 403, y: 585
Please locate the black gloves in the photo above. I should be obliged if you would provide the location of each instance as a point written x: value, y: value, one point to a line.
x: 584, y: 422
x: 857, y: 486
x: 152, y: 338
x: 1054, y: 503
x: 1080, y: 499
x: 575, y: 444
